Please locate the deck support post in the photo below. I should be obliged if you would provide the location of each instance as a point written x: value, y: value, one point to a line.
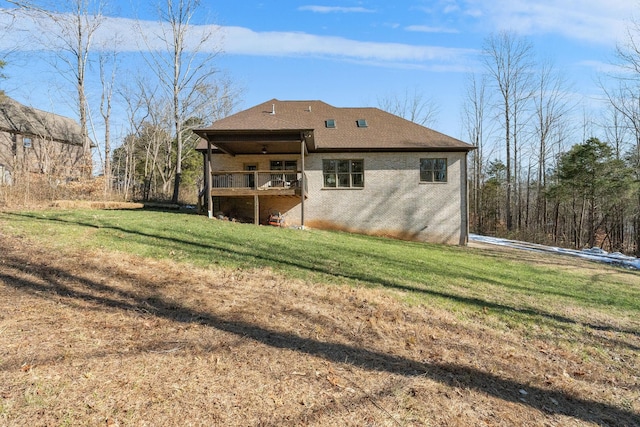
x: 302, y: 183
x: 256, y: 209
x: 207, y: 172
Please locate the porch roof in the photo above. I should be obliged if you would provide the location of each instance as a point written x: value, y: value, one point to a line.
x: 256, y: 141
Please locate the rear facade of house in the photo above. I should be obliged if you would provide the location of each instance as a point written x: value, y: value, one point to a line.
x: 307, y: 163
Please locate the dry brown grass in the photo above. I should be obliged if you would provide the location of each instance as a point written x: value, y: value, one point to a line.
x: 89, y: 204
x: 110, y: 339
x: 37, y: 190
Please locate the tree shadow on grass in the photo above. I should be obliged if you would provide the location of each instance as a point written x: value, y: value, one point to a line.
x: 46, y: 280
x: 255, y: 257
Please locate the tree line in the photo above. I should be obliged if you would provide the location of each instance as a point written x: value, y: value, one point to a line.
x: 176, y: 88
x: 532, y: 177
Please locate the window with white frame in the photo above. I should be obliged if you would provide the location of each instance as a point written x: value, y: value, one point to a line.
x: 433, y: 170
x: 343, y: 173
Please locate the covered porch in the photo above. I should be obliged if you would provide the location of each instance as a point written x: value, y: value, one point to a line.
x: 283, y: 183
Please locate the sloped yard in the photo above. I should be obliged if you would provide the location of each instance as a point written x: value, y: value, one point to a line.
x: 135, y: 318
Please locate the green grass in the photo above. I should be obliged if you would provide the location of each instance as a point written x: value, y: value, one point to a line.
x: 457, y: 278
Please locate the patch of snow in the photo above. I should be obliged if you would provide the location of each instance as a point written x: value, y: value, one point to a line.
x: 592, y: 254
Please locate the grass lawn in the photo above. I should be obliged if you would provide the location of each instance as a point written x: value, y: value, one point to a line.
x: 138, y: 317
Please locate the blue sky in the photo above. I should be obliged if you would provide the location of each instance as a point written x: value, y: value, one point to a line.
x: 352, y: 53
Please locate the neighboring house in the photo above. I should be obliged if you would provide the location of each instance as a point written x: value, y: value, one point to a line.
x: 34, y: 141
x: 360, y: 170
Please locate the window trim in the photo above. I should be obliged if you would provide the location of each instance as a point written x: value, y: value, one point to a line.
x: 336, y: 174
x: 434, y: 171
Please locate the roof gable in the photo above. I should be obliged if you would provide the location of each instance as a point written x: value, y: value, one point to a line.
x: 378, y: 130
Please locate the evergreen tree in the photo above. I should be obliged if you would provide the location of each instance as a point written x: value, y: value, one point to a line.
x: 590, y: 181
x: 493, y: 196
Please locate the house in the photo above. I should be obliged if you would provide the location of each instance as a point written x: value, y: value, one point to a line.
x: 35, y: 141
x: 360, y: 170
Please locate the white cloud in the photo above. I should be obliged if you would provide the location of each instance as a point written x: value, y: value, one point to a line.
x: 593, y: 21
x: 428, y: 29
x: 451, y: 8
x: 603, y: 67
x: 334, y: 9
x: 244, y: 41
x: 119, y: 34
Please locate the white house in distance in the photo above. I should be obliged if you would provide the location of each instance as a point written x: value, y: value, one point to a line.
x: 359, y: 170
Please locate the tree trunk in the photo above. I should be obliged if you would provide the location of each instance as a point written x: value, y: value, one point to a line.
x: 508, y: 165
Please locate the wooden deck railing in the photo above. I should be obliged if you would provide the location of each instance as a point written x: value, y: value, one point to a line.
x: 256, y: 180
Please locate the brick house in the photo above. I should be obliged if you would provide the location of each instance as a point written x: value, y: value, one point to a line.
x: 35, y: 141
x: 360, y: 170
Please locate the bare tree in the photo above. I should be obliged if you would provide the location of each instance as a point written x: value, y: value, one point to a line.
x: 474, y: 121
x: 75, y: 22
x: 184, y: 67
x: 223, y: 98
x: 2, y: 76
x: 106, y: 98
x: 625, y: 99
x: 616, y: 130
x: 551, y: 108
x: 155, y: 138
x: 414, y: 106
x: 137, y: 114
x: 6, y: 29
x: 508, y: 62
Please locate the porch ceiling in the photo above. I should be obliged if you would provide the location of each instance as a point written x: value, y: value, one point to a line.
x: 257, y: 142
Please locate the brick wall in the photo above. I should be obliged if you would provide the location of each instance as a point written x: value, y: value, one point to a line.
x: 393, y: 201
